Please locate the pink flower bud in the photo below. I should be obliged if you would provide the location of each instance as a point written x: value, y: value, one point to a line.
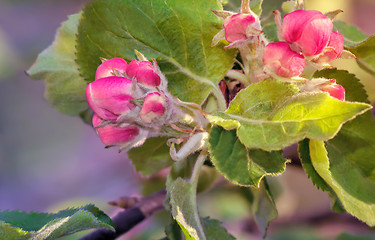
x: 307, y: 31
x: 109, y: 68
x: 333, y: 50
x: 112, y: 135
x: 334, y: 90
x: 110, y: 97
x: 280, y: 59
x: 153, y: 107
x: 236, y: 26
x: 143, y: 72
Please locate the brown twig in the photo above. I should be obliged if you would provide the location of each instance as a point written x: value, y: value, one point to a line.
x: 127, y: 219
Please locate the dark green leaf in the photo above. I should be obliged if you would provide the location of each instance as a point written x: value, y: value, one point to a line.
x: 51, y: 226
x: 316, y: 179
x: 271, y: 115
x: 365, y: 53
x: 304, y: 154
x: 65, y: 88
x: 173, y: 231
x: 350, y: 169
x: 263, y: 207
x: 347, y: 236
x: 152, y: 156
x: 184, y: 208
x: 214, y: 230
x: 240, y: 165
x: 350, y: 180
x: 355, y: 91
x: 177, y: 33
x: 352, y: 150
x: 352, y: 35
x: 270, y: 31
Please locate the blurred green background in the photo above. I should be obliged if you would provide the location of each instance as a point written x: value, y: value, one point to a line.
x: 49, y: 161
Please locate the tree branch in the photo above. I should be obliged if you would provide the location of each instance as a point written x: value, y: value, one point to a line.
x: 127, y: 219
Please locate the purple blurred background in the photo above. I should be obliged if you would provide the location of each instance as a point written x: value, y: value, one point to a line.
x: 49, y: 161
x: 47, y: 158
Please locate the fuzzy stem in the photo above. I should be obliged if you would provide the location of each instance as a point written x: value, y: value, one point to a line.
x: 196, y: 170
x: 238, y: 76
x: 221, y: 103
x: 245, y: 6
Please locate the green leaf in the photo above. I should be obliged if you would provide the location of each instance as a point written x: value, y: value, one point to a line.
x: 352, y: 35
x: 271, y: 115
x: 316, y: 179
x: 256, y: 6
x: 365, y: 53
x: 355, y: 91
x: 51, y: 226
x: 350, y: 180
x: 152, y: 156
x: 173, y: 231
x: 65, y: 88
x: 9, y: 232
x: 347, y: 236
x: 177, y: 33
x: 353, y: 147
x: 184, y: 208
x: 240, y: 165
x: 270, y: 30
x: 214, y: 230
x: 263, y: 207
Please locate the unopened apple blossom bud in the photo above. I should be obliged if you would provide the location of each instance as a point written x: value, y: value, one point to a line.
x: 143, y: 72
x: 333, y: 50
x: 111, y: 67
x: 308, y: 31
x: 334, y: 90
x: 112, y: 135
x: 237, y: 27
x: 153, y: 107
x: 110, y: 97
x: 281, y: 60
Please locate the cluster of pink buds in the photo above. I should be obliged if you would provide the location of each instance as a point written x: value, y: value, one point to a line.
x: 130, y: 101
x: 305, y: 36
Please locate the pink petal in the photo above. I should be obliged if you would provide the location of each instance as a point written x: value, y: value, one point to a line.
x: 113, y: 135
x: 280, y: 59
x: 110, y: 97
x: 235, y: 26
x: 334, y: 48
x: 106, y: 68
x: 335, y: 90
x: 307, y: 31
x: 153, y: 107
